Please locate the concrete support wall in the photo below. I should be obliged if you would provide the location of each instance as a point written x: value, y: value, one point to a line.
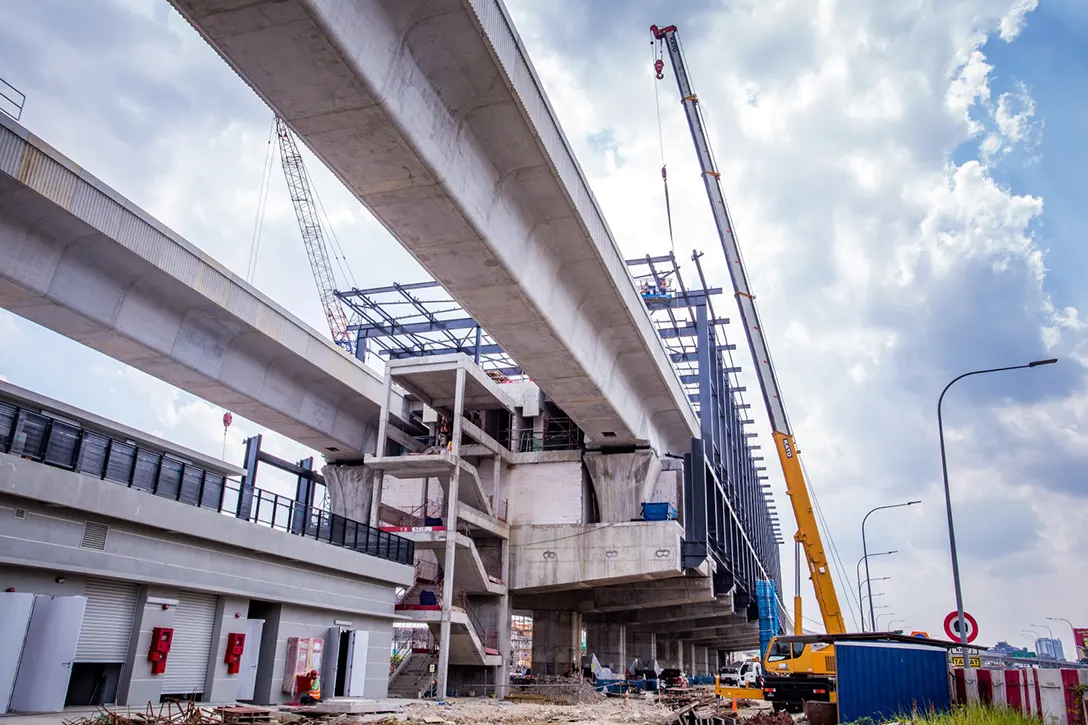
x: 622, y: 481
x: 557, y: 642
x: 545, y: 493
x: 609, y: 643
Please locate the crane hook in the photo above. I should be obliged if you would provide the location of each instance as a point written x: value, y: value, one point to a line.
x: 659, y: 66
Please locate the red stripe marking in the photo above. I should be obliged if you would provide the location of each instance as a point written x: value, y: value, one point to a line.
x: 1014, y: 690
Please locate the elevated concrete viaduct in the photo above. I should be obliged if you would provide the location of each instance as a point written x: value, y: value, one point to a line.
x: 80, y: 259
x: 430, y: 112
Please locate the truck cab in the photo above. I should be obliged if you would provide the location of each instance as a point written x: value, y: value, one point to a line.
x: 799, y: 669
x: 743, y: 674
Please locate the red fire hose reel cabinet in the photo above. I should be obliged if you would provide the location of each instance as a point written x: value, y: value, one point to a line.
x: 161, y: 638
x: 236, y: 645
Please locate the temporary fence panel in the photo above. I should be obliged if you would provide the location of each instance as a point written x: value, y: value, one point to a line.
x: 882, y: 680
x: 1056, y: 696
x: 107, y: 621
x: 187, y: 664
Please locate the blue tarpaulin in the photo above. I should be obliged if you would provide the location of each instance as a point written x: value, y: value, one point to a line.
x: 768, y: 614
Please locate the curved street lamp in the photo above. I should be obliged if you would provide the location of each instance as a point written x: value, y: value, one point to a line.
x: 948, y: 495
x: 857, y: 572
x: 865, y: 551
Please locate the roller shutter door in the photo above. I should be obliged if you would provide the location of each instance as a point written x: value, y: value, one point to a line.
x: 107, y: 621
x: 190, y: 652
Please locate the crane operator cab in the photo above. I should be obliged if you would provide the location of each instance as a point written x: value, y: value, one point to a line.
x: 797, y: 669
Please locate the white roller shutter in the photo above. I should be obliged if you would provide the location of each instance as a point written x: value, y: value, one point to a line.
x: 187, y: 663
x: 107, y: 621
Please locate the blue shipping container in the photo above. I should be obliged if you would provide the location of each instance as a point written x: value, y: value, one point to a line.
x: 882, y: 680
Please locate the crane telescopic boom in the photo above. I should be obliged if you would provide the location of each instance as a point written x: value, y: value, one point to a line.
x: 313, y: 236
x: 808, y: 533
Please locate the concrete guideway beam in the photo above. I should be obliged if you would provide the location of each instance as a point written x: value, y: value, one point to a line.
x: 80, y: 259
x: 563, y: 556
x: 719, y: 608
x: 431, y: 114
x: 599, y: 600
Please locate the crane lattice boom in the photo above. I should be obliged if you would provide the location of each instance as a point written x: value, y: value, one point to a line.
x: 808, y: 534
x: 313, y: 235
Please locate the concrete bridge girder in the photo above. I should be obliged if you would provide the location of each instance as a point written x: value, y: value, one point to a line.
x: 80, y: 259
x: 649, y: 595
x: 430, y: 113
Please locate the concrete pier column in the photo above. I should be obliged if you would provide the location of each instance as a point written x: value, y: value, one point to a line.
x: 691, y: 660
x: 643, y: 646
x: 622, y: 481
x: 557, y: 642
x: 701, y: 661
x: 668, y: 653
x: 609, y: 643
x: 351, y: 490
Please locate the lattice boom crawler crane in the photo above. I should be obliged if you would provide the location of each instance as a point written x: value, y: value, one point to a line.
x: 795, y: 670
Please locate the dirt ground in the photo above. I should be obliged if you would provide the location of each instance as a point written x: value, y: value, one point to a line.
x: 635, y: 710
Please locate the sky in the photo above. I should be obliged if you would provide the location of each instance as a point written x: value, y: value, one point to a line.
x: 905, y: 180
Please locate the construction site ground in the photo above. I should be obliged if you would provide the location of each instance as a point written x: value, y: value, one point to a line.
x: 573, y: 704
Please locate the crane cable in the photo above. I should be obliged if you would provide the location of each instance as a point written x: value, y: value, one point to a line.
x: 836, y: 560
x: 262, y: 204
x: 659, y: 64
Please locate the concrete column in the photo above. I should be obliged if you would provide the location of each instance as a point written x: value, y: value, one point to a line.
x: 641, y: 646
x: 447, y: 584
x: 501, y: 677
x: 451, y: 534
x: 609, y: 643
x: 701, y: 661
x: 557, y: 642
x: 376, y: 499
x: 622, y: 481
x: 383, y: 415
x: 350, y: 491
x: 688, y: 652
x: 668, y: 653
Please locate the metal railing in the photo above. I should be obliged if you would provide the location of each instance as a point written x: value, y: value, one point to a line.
x: 11, y: 100
x: 60, y: 444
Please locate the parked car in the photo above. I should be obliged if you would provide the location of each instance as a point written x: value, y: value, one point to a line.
x: 673, y: 679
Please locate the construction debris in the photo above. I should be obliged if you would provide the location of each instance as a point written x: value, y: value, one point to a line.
x: 167, y: 713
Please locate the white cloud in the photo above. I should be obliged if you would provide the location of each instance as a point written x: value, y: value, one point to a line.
x: 1013, y: 21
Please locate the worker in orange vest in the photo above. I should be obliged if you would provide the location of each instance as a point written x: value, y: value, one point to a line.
x: 312, y: 683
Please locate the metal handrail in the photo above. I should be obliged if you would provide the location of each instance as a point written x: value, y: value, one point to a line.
x: 56, y: 443
x: 14, y: 97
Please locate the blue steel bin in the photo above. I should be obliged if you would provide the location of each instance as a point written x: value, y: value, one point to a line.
x: 663, y: 511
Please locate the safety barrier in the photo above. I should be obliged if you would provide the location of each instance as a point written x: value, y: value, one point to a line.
x: 1056, y: 696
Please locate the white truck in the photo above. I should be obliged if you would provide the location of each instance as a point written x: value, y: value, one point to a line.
x: 742, y: 674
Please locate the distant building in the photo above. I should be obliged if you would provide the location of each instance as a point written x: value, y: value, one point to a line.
x: 1004, y: 649
x: 1049, y: 649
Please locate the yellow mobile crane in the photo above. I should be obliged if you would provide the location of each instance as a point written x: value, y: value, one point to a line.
x: 796, y: 668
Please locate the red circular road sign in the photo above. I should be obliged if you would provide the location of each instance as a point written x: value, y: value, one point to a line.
x: 951, y: 626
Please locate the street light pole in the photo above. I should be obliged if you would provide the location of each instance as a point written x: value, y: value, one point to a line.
x: 1071, y: 629
x: 884, y: 614
x: 948, y: 494
x: 857, y: 572
x: 1049, y: 631
x: 865, y: 552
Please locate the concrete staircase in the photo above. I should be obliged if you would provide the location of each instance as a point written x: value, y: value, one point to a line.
x: 414, y: 677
